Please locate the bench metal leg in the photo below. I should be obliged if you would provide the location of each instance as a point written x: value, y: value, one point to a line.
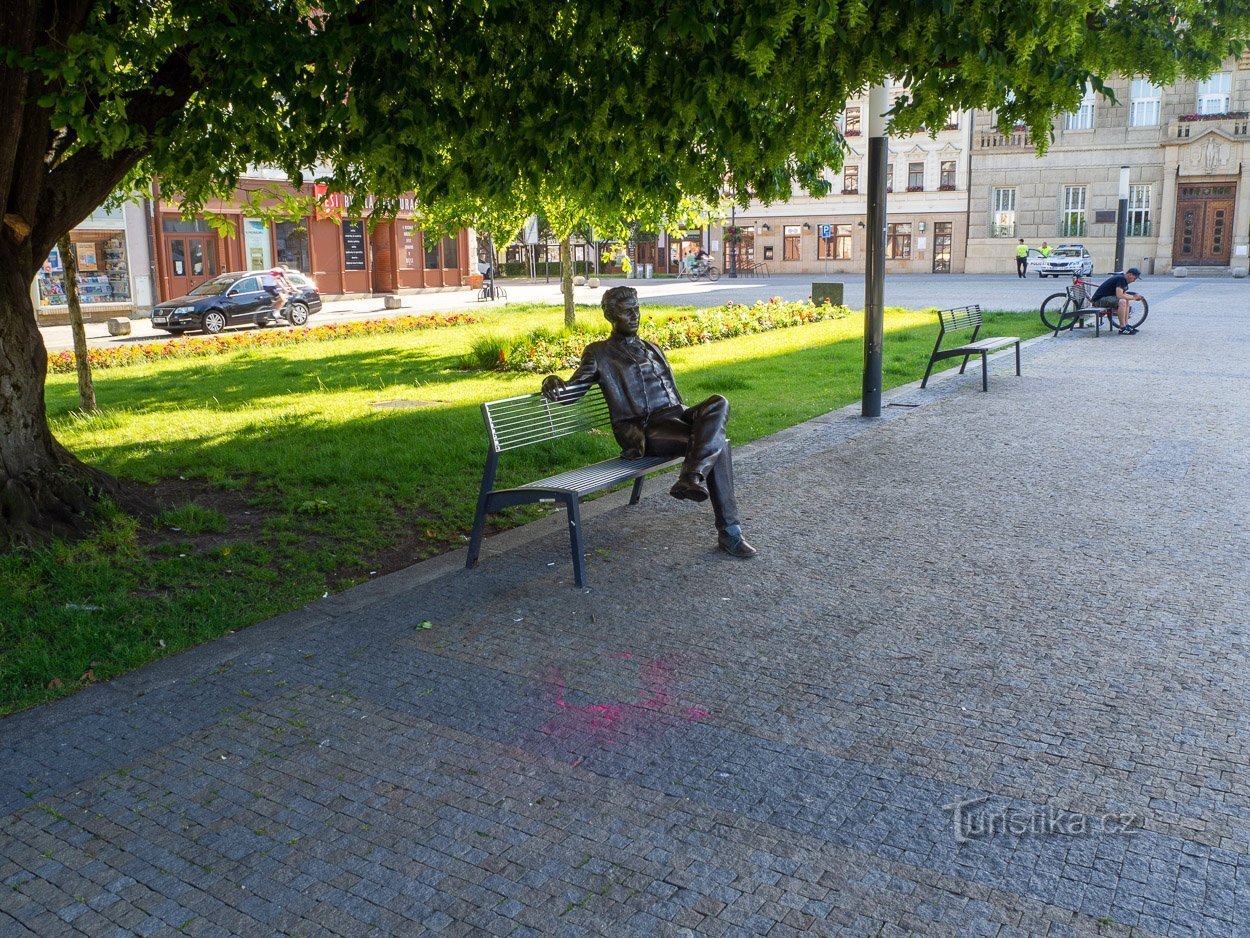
x: 965, y: 364
x: 985, y: 371
x: 637, y: 491
x: 1017, y: 359
x: 574, y: 508
x: 483, y: 501
x: 928, y: 371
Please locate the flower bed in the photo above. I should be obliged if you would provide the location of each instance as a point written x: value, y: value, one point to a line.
x: 121, y: 356
x: 539, y: 353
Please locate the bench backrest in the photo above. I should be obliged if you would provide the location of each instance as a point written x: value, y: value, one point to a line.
x: 514, y: 422
x: 962, y: 317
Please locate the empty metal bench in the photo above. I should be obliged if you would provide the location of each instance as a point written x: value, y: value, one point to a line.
x: 517, y: 422
x: 957, y: 320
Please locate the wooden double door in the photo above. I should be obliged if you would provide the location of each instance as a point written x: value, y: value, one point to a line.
x: 1204, y: 224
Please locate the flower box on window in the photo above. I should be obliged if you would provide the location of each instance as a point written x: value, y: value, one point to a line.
x: 915, y: 188
x: 850, y: 133
x: 946, y: 187
x: 1223, y: 115
x: 854, y: 191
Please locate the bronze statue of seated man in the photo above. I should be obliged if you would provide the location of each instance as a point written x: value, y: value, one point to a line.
x: 649, y: 418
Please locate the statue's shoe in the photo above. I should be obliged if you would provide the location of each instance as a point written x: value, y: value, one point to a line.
x: 689, y: 486
x: 736, y: 546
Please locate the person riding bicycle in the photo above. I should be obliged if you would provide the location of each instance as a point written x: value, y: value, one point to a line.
x: 274, y: 282
x: 1113, y: 295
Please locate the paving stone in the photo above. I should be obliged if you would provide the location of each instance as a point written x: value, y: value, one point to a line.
x: 1027, y: 604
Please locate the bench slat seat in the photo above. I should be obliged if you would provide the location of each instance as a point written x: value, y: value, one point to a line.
x: 958, y: 319
x: 517, y: 422
x: 601, y: 475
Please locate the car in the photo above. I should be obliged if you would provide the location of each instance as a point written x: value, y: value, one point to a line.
x: 235, y: 299
x: 1067, y: 260
x: 1035, y: 260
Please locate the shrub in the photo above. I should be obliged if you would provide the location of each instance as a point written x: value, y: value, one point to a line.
x: 120, y: 356
x: 543, y: 351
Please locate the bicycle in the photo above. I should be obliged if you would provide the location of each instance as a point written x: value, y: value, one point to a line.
x: 710, y: 271
x: 1070, y: 308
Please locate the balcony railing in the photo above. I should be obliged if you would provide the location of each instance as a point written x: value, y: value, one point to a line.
x: 1192, y: 125
x: 1018, y: 138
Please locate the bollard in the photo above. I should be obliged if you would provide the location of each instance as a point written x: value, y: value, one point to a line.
x: 119, y: 326
x: 390, y: 302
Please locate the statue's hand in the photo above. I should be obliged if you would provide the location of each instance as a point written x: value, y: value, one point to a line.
x: 553, y: 386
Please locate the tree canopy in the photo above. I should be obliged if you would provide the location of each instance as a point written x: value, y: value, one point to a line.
x: 484, y: 109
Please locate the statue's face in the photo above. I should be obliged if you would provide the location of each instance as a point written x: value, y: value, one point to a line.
x: 624, y: 315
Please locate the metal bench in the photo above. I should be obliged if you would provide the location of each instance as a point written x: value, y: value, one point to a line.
x: 517, y: 422
x: 956, y: 320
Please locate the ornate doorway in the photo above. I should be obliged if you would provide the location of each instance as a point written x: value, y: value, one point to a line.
x: 1204, y: 218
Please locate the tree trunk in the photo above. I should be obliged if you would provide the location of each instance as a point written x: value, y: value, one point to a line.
x: 566, y: 281
x: 69, y: 261
x: 43, y: 489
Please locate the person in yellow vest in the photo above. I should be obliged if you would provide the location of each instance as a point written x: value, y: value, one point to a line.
x: 1045, y: 249
x: 1022, y: 259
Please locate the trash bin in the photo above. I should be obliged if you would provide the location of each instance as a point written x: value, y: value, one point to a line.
x: 648, y: 271
x: 1147, y: 265
x: 827, y: 291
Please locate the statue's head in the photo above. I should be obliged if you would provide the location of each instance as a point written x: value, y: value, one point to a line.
x: 620, y: 307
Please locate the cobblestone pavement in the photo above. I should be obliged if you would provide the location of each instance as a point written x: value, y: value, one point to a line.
x: 986, y: 677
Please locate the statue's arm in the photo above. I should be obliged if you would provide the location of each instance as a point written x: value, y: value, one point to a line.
x: 557, y: 389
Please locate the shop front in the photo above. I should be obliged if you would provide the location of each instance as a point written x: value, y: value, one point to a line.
x: 104, y: 276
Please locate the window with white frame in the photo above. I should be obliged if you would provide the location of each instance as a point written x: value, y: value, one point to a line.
x: 851, y: 122
x: 1002, y: 213
x: 1144, y: 103
x: 1072, y: 221
x: 1083, y: 117
x: 1214, y: 93
x: 915, y: 177
x: 1138, y: 212
x: 947, y: 177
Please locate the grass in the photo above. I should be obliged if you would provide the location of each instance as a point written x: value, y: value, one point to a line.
x: 289, y: 472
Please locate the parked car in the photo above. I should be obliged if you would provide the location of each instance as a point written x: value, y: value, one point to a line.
x: 236, y: 299
x: 1067, y: 260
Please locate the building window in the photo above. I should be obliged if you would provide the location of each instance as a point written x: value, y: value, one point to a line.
x: 1083, y: 117
x: 790, y: 242
x: 850, y: 180
x: 1002, y: 213
x: 947, y: 179
x: 451, y: 252
x: 834, y: 243
x: 1214, y: 93
x: 1144, y: 103
x: 952, y: 122
x: 850, y: 122
x: 432, y: 260
x: 889, y: 177
x: 898, y: 241
x: 1072, y: 222
x: 841, y: 242
x: 291, y: 238
x: 1138, y: 212
x: 915, y: 177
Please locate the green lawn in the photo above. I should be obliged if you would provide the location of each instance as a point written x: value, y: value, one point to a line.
x: 285, y: 479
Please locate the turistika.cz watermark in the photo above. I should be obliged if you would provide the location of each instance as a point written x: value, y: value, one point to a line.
x: 974, y: 820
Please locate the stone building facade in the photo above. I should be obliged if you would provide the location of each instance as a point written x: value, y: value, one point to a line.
x: 1187, y: 149
x: 928, y: 210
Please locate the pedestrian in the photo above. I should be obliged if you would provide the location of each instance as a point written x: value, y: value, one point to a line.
x: 1022, y: 259
x: 1045, y: 249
